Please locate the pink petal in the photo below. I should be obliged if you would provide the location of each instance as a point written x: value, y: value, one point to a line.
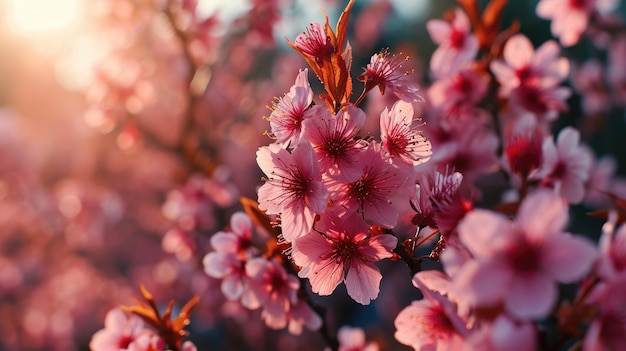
x: 296, y: 221
x: 240, y: 223
x: 542, y: 214
x: 531, y: 296
x: 218, y: 264
x: 568, y: 258
x: 309, y: 249
x: 568, y: 141
x: 482, y: 283
x: 548, y: 8
x: 378, y: 247
x: 232, y: 287
x: 518, y: 51
x: 363, y: 282
x: 224, y: 242
x: 439, y: 30
x: 509, y: 336
x: 484, y: 233
x: 433, y: 280
x: 325, y: 277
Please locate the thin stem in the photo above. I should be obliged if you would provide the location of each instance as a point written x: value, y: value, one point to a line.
x: 414, y: 263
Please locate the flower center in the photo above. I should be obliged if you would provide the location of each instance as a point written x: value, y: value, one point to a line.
x: 457, y: 39
x: 524, y: 257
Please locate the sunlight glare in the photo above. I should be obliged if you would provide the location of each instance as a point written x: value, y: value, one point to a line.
x: 36, y: 17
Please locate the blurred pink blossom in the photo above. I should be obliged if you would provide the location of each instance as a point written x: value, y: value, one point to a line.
x: 520, y: 263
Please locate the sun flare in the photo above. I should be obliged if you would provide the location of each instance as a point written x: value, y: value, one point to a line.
x: 41, y: 17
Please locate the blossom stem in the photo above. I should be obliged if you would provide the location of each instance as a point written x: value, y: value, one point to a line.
x: 414, y: 263
x: 366, y: 89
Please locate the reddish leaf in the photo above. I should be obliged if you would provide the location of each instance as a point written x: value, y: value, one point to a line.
x: 342, y: 27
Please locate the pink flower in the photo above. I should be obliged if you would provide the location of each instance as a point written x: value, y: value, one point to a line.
x: 333, y: 136
x: 290, y: 111
x: 314, y: 42
x: 399, y: 138
x: 293, y: 187
x: 464, y: 87
x: 570, y: 18
x: 343, y: 251
x: 371, y: 188
x: 238, y: 239
x: 434, y: 192
x: 232, y: 250
x: 523, y: 66
x: 608, y: 329
x: 456, y: 43
x: 523, y: 146
x: 530, y: 78
x: 565, y: 165
x: 430, y: 324
x: 353, y: 339
x: 519, y: 263
x: 274, y: 289
x: 385, y: 71
x: 121, y: 331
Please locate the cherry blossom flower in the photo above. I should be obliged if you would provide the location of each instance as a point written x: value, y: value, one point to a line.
x: 466, y: 87
x: 523, y: 146
x: 399, y: 138
x: 544, y: 103
x: 607, y: 331
x: 343, y: 251
x: 371, y: 188
x: 503, y: 334
x: 457, y: 44
x: 570, y: 18
x: 274, y: 289
x: 530, y: 78
x: 430, y: 324
x: 433, y: 192
x: 232, y: 250
x: 565, y: 165
x: 523, y: 66
x: 238, y: 239
x: 519, y: 264
x: 121, y: 331
x: 333, y: 136
x: 353, y: 339
x: 293, y: 187
x: 290, y: 111
x: 314, y: 42
x: 449, y: 205
x: 385, y: 71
